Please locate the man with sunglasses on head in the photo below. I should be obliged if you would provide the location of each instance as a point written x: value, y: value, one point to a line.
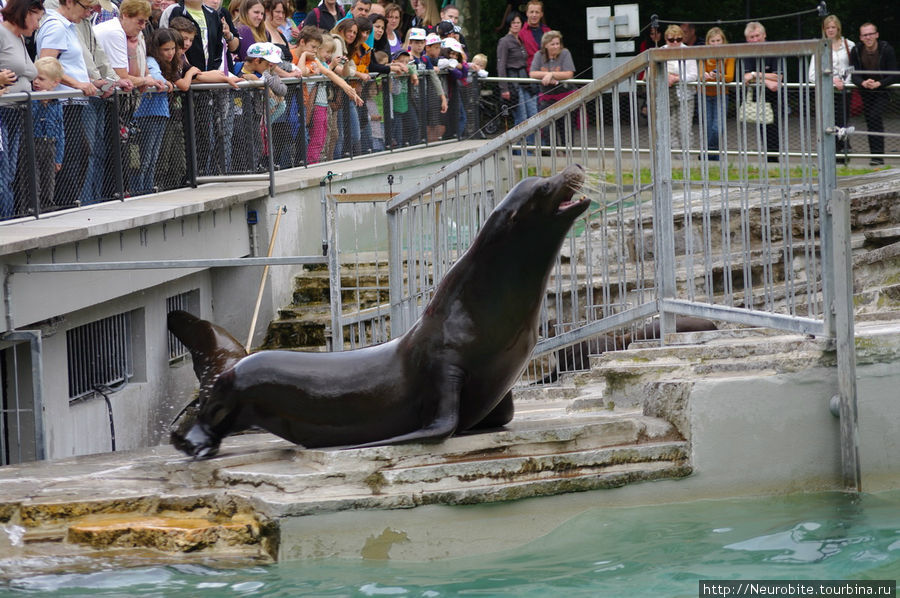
x: 873, y: 55
x: 763, y: 74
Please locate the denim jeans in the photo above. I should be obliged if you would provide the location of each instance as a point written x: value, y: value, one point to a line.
x: 149, y: 142
x: 97, y: 137
x: 518, y: 109
x: 714, y: 105
x: 528, y: 102
x: 348, y: 131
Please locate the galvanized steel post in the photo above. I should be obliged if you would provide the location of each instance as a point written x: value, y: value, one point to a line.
x: 663, y: 225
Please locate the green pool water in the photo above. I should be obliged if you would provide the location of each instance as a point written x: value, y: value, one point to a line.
x: 621, y: 551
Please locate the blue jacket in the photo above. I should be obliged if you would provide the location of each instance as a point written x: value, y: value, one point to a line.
x: 48, y: 122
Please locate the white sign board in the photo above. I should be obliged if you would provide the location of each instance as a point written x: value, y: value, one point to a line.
x: 626, y: 16
x: 626, y: 47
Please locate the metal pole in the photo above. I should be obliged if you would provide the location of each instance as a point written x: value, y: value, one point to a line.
x: 115, y: 141
x: 825, y: 143
x: 31, y: 157
x: 663, y: 226
x: 163, y: 264
x: 267, y: 115
x: 388, y: 119
x: 301, y: 133
x: 190, y: 139
x: 262, y: 283
x: 334, y: 279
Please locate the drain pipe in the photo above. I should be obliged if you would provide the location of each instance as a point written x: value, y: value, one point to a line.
x: 112, y: 424
x: 7, y: 295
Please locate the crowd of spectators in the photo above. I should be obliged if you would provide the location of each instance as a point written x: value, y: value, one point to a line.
x: 158, y: 47
x: 870, y: 66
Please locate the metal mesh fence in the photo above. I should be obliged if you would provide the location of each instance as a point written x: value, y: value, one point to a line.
x: 124, y: 146
x: 714, y: 115
x: 734, y: 233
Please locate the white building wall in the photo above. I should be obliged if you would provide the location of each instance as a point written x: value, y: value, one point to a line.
x: 207, y: 222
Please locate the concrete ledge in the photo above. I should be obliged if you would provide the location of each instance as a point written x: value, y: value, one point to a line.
x: 100, y: 219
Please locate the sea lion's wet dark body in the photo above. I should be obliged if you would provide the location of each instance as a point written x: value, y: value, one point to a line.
x: 449, y: 373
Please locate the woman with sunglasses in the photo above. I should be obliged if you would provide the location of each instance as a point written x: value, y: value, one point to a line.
x: 681, y: 72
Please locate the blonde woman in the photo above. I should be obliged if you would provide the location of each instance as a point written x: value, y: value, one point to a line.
x: 715, y: 73
x: 427, y: 14
x: 681, y: 95
x: 840, y: 66
x: 551, y: 66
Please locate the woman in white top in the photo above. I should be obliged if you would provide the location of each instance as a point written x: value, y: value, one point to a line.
x: 392, y: 33
x: 680, y: 73
x: 840, y: 64
x: 124, y: 43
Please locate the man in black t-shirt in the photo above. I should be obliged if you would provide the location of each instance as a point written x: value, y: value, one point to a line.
x: 325, y: 15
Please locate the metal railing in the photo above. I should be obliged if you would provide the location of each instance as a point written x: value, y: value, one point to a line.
x: 742, y: 236
x: 122, y: 146
x: 496, y: 116
x: 214, y: 132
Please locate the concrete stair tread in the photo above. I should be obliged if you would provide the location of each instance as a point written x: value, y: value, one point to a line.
x: 538, y: 446
x: 460, y: 482
x: 722, y: 348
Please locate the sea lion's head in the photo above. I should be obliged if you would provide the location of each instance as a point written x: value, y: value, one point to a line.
x: 540, y: 204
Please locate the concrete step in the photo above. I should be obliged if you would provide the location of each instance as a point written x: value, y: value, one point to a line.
x: 537, y: 455
x: 175, y: 533
x: 627, y: 373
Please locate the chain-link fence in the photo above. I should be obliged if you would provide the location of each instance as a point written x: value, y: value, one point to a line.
x: 70, y: 151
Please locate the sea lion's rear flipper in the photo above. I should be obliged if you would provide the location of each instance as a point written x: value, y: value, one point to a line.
x: 213, y: 349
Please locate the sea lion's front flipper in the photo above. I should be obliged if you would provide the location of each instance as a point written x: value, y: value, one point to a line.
x: 446, y: 414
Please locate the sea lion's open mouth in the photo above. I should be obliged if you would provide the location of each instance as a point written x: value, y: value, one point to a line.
x: 573, y: 177
x: 571, y: 204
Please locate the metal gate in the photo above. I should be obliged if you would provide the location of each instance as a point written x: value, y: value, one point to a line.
x: 742, y: 233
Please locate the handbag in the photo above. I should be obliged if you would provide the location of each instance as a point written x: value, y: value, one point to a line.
x: 756, y: 113
x: 856, y: 103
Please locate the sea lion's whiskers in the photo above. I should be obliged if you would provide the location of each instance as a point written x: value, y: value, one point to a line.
x: 592, y: 188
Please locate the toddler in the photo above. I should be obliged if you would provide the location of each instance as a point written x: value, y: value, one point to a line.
x: 49, y: 135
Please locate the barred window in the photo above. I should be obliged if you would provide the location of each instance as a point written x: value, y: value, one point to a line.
x: 100, y: 354
x: 189, y: 302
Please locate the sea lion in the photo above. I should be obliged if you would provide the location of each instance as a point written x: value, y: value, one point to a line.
x: 451, y: 371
